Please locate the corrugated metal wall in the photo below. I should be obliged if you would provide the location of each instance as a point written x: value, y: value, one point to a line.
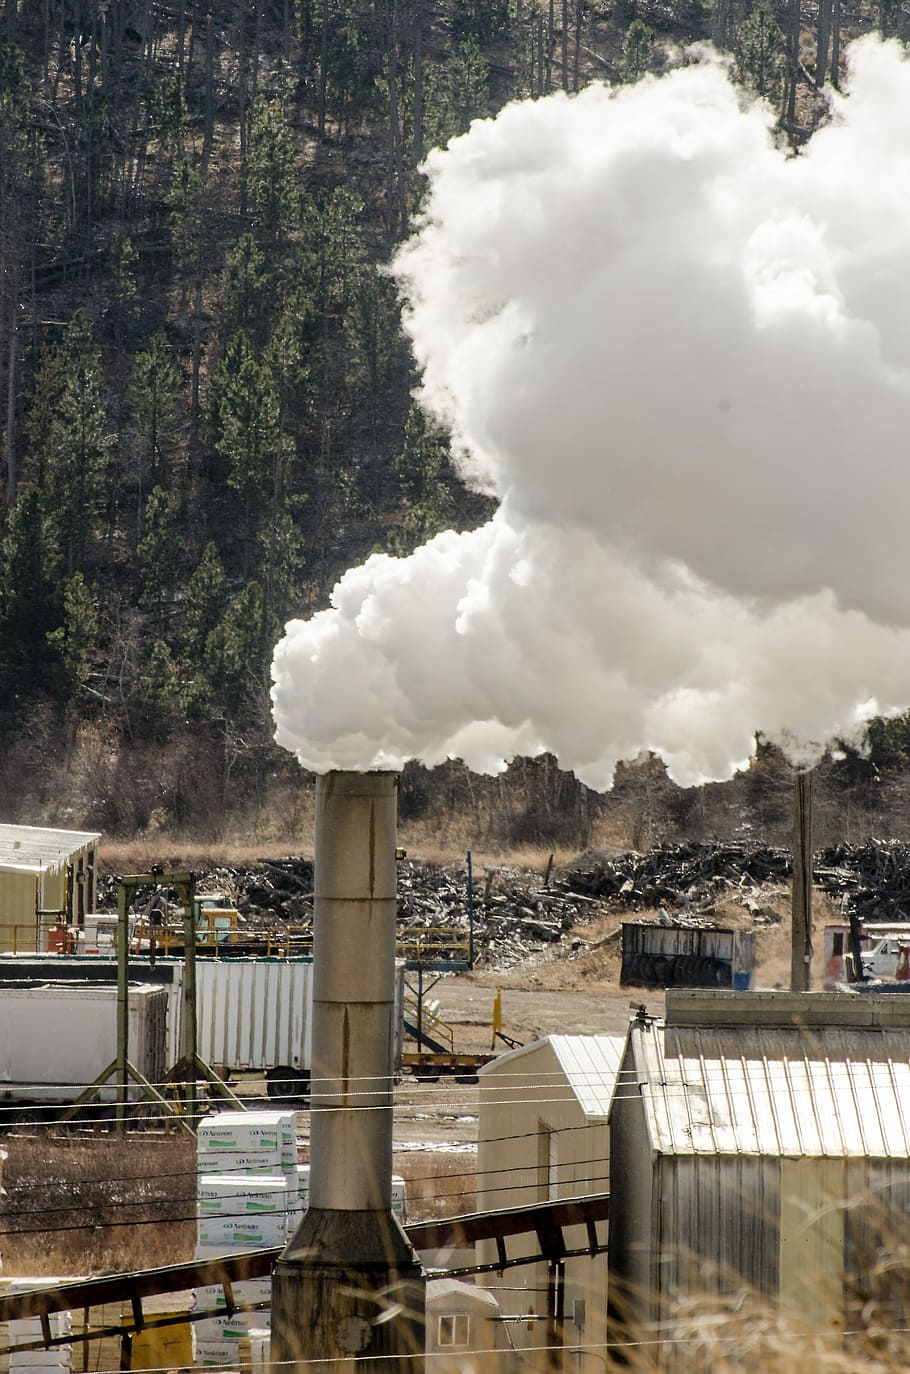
x: 824, y: 1238
x: 877, y: 1283
x: 716, y: 1223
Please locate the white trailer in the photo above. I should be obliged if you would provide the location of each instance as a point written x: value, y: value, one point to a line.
x: 56, y: 1038
x: 251, y: 1014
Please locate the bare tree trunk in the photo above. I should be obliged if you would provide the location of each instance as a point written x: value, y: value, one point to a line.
x: 181, y: 35
x: 77, y: 57
x: 835, y: 44
x: 565, y: 45
x: 824, y: 39
x: 418, y: 82
x: 323, y: 64
x: 579, y: 24
x: 793, y: 29
x: 256, y: 54
x: 242, y: 98
x: 12, y: 474
x: 399, y: 194
x: 209, y: 126
x: 551, y: 25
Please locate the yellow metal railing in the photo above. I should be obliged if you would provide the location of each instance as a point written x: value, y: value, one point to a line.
x: 431, y: 945
x: 282, y: 942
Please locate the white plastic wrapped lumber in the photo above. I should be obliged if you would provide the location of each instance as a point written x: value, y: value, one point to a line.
x: 246, y: 1132
x: 238, y: 1194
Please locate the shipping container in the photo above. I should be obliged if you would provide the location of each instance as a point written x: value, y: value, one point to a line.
x: 251, y: 1014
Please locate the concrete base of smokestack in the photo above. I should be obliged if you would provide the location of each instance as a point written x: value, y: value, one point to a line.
x: 349, y: 1284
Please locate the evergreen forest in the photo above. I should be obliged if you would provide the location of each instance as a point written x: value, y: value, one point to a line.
x: 205, y: 395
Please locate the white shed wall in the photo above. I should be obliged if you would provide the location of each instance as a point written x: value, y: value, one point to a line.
x: 535, y: 1142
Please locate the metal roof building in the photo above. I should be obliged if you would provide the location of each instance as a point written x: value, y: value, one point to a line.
x: 761, y: 1143
x: 43, y: 871
x: 542, y: 1135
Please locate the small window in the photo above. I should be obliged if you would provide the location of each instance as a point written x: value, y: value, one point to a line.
x: 455, y: 1329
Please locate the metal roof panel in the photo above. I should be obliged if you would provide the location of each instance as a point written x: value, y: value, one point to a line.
x: 772, y: 1090
x: 591, y: 1064
x: 36, y: 849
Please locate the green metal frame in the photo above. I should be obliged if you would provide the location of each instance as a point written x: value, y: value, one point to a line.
x: 190, y: 1067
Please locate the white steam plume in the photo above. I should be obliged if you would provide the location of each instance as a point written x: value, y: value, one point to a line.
x: 680, y: 359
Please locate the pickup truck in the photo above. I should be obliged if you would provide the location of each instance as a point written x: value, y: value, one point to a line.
x: 887, y: 956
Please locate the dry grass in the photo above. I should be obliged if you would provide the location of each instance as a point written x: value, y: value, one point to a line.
x: 90, y: 1204
x: 749, y: 1335
x: 140, y: 855
x: 78, y: 1205
x: 438, y: 1184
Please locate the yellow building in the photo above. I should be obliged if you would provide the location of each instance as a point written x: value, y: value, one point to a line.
x: 43, y: 873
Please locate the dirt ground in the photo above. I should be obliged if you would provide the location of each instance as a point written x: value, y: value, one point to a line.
x: 569, y: 991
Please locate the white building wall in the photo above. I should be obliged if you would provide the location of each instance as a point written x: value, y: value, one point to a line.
x: 536, y: 1143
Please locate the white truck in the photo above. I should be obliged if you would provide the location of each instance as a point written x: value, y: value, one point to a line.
x: 888, y: 958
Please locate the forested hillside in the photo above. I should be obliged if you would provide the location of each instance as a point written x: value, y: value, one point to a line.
x: 204, y: 389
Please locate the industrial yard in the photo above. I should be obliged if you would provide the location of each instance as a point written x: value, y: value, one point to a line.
x: 503, y: 1157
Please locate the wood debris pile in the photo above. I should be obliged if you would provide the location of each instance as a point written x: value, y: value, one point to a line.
x: 871, y: 880
x: 685, y: 877
x: 518, y: 914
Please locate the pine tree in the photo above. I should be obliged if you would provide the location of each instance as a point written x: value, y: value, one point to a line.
x: 206, y: 598
x: 272, y: 180
x: 75, y: 641
x: 122, y: 290
x: 154, y: 397
x: 761, y: 54
x: 185, y: 215
x: 159, y: 552
x: 281, y: 546
x: 16, y: 167
x: 421, y: 468
x: 30, y: 601
x: 165, y: 107
x: 637, y: 50
x: 238, y: 654
x: 469, y: 94
x: 247, y: 433
x: 246, y: 297
x: 78, y: 445
x: 336, y: 249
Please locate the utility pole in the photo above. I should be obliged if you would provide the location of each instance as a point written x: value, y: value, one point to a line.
x: 801, y: 906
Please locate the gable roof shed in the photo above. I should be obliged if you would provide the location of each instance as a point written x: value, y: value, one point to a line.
x: 760, y: 1140
x: 43, y: 870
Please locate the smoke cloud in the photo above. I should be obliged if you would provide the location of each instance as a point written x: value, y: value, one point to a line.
x: 679, y: 357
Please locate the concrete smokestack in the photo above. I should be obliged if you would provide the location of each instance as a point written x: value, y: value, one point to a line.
x: 348, y: 1284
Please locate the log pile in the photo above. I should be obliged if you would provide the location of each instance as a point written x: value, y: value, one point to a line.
x: 518, y: 913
